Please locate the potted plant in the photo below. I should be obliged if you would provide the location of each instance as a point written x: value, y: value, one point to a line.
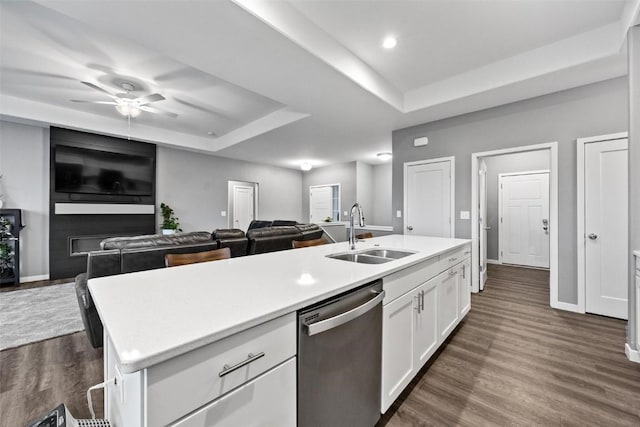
x: 6, y: 260
x: 170, y: 222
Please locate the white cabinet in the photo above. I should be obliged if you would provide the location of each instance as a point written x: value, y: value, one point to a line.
x: 269, y: 400
x: 423, y: 305
x: 409, y: 338
x: 637, y: 257
x: 464, y: 287
x: 448, y: 313
x: 211, y: 381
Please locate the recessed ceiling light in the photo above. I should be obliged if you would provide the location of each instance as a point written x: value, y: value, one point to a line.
x: 305, y: 166
x: 389, y: 42
x: 384, y: 156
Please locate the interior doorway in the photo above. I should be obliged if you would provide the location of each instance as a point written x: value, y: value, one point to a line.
x: 482, y: 222
x: 324, y: 203
x: 242, y: 204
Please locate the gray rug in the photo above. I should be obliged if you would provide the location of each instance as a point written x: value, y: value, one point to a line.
x: 38, y: 314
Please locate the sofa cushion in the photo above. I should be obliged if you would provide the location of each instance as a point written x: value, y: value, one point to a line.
x: 258, y: 224
x: 272, y: 239
x: 227, y: 233
x: 281, y: 222
x: 156, y: 240
x: 310, y: 231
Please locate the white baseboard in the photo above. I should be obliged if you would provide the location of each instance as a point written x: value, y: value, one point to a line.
x: 565, y: 306
x: 632, y: 355
x: 26, y: 279
x: 493, y: 261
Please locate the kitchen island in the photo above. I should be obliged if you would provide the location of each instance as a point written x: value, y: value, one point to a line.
x: 170, y: 332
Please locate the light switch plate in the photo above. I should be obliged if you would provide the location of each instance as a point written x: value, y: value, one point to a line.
x: 223, y: 213
x: 398, y: 214
x: 346, y: 214
x: 464, y: 215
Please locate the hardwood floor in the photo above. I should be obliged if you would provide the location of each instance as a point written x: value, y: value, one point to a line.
x: 38, y: 377
x: 513, y: 361
x: 31, y: 285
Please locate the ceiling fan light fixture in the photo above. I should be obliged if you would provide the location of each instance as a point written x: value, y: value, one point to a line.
x: 128, y: 109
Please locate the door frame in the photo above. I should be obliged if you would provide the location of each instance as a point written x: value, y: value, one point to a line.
x: 452, y: 161
x: 580, y: 234
x: 230, y: 185
x: 500, y: 176
x: 553, y: 217
x: 339, y: 198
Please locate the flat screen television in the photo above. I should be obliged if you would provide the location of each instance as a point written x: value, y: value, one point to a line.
x: 87, y: 171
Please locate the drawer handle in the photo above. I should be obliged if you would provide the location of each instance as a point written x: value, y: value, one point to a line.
x: 452, y: 272
x: 467, y: 252
x: 226, y: 369
x: 453, y: 258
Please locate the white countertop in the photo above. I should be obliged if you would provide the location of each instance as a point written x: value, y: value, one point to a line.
x: 152, y: 316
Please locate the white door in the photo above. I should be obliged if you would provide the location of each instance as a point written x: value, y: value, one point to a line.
x: 428, y: 197
x: 524, y: 219
x: 321, y: 203
x: 606, y: 228
x: 242, y: 207
x: 483, y: 223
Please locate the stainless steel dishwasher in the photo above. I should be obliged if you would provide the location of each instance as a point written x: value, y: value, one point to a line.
x: 339, y: 360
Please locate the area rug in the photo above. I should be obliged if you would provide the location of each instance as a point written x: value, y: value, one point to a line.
x: 38, y: 314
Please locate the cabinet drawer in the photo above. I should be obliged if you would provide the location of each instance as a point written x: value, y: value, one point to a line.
x: 269, y: 400
x: 185, y: 383
x: 453, y: 257
x: 401, y: 282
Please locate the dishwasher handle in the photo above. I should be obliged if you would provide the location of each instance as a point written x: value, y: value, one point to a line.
x: 342, y: 318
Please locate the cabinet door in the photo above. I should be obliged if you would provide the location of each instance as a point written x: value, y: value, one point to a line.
x: 447, y: 302
x: 464, y: 288
x: 268, y: 400
x: 398, y: 368
x: 426, y: 326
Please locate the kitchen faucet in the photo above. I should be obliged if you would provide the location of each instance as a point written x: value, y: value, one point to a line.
x: 352, y: 229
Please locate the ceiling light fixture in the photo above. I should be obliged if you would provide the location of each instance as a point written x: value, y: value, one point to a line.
x: 389, y: 42
x: 305, y: 166
x: 127, y: 108
x: 384, y: 156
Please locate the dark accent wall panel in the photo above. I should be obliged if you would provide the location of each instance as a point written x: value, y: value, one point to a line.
x: 63, y: 228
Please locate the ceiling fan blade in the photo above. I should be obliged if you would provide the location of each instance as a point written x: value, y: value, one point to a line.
x: 156, y: 111
x: 95, y: 102
x: 148, y: 99
x: 98, y: 88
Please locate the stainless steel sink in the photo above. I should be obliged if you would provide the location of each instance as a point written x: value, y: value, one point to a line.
x: 387, y: 253
x: 360, y: 258
x: 371, y: 256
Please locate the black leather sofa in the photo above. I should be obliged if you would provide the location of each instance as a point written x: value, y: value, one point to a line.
x: 129, y: 254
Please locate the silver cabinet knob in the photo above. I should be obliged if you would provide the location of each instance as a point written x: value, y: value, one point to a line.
x: 592, y: 236
x: 409, y: 227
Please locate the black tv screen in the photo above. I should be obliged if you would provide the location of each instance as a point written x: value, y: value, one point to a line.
x: 81, y: 170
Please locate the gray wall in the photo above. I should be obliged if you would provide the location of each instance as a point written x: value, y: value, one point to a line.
x: 381, y: 214
x: 364, y: 189
x: 195, y: 186
x: 634, y: 170
x: 595, y: 109
x: 507, y: 163
x: 24, y: 165
x: 344, y: 174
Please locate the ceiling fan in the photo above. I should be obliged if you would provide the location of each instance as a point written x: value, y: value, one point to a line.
x: 127, y: 104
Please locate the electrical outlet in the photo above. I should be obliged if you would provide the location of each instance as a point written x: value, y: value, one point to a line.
x: 223, y: 213
x: 464, y: 215
x: 346, y: 214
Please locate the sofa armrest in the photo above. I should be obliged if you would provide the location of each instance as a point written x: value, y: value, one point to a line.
x: 82, y: 291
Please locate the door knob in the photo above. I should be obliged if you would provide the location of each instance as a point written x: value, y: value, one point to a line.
x: 409, y: 227
x: 592, y: 236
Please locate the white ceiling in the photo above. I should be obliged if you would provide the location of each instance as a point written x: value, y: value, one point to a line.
x: 282, y: 82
